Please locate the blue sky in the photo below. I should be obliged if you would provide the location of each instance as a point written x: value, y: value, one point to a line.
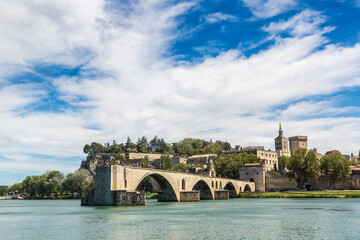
x: 74, y: 72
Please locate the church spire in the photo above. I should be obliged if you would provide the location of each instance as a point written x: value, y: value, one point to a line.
x: 280, y: 130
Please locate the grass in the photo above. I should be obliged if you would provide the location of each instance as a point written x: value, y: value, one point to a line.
x: 310, y: 194
x: 151, y: 195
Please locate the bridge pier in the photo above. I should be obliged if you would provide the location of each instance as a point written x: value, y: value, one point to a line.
x: 221, y: 194
x: 189, y: 196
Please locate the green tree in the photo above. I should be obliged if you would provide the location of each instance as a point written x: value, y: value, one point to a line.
x: 130, y: 146
x: 4, y: 190
x: 283, y: 162
x: 227, y: 165
x: 94, y: 148
x: 145, y: 162
x: 303, y: 164
x: 78, y: 182
x: 334, y: 166
x: 54, y: 180
x: 142, y: 145
x: 165, y: 162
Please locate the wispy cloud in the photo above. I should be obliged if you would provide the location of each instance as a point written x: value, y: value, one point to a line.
x: 219, y: 17
x: 269, y: 8
x: 307, y: 22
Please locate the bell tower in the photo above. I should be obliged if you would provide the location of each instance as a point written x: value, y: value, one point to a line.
x: 282, y: 144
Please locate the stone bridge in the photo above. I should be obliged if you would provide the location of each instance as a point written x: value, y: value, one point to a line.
x: 175, y: 186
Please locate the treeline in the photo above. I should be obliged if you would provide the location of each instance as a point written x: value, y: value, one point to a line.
x: 187, y: 146
x: 303, y: 164
x: 54, y: 184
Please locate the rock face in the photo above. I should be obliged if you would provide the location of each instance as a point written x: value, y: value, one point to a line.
x: 98, y: 160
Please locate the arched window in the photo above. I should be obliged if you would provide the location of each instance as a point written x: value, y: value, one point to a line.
x: 212, y: 183
x: 251, y: 180
x: 183, y: 184
x: 216, y: 185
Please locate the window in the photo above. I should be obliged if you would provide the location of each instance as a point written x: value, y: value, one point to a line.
x: 183, y: 184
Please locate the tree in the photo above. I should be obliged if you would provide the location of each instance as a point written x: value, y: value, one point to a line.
x: 4, y: 190
x: 94, y: 148
x: 130, y: 146
x: 144, y: 162
x: 78, y: 182
x: 302, y: 165
x: 165, y: 162
x: 142, y: 145
x: 227, y: 165
x: 334, y: 165
x: 283, y: 162
x: 54, y: 180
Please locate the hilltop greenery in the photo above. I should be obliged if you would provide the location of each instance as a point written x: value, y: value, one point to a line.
x: 187, y: 146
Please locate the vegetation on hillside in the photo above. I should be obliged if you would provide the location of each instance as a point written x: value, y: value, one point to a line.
x: 187, y: 146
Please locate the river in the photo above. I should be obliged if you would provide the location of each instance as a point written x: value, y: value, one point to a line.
x: 221, y: 219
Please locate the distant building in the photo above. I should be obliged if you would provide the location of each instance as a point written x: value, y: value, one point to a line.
x: 201, y: 159
x: 297, y: 142
x: 179, y: 159
x: 253, y: 172
x: 282, y: 144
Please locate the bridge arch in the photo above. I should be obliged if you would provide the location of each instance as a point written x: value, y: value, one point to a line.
x: 247, y: 188
x: 231, y: 188
x: 168, y: 191
x: 204, y: 189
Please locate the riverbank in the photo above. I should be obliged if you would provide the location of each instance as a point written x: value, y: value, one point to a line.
x: 308, y: 194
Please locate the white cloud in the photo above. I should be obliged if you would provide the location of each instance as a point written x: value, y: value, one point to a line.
x: 218, y: 17
x: 269, y: 8
x: 139, y: 92
x: 304, y: 23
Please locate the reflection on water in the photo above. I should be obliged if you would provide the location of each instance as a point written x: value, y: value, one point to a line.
x: 233, y: 219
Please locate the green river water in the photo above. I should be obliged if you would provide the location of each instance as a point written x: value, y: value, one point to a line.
x: 231, y: 219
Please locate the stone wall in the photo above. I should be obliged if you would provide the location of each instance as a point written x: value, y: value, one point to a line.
x: 124, y: 198
x: 152, y: 157
x: 282, y: 183
x: 189, y: 196
x: 279, y: 183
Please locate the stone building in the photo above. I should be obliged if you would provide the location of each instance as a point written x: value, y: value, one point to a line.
x: 201, y: 159
x: 282, y: 144
x: 253, y: 172
x: 297, y: 142
x: 179, y: 159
